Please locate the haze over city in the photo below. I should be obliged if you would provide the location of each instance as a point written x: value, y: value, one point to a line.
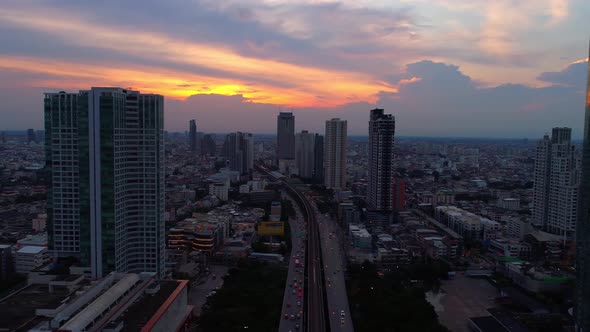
x: 442, y: 68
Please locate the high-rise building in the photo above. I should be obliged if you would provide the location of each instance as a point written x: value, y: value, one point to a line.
x: 318, y: 159
x: 239, y: 152
x: 556, y: 185
x: 582, y: 294
x: 285, y: 136
x: 335, y: 154
x: 380, y: 191
x: 105, y: 152
x: 208, y: 145
x: 31, y: 136
x: 192, y: 137
x: 304, y: 153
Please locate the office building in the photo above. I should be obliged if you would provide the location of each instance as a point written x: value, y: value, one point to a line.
x: 239, y: 152
x: 192, y: 137
x: 582, y: 294
x: 304, y: 153
x: 285, y: 136
x: 104, y: 150
x: 318, y: 158
x: 208, y: 145
x: 557, y: 181
x: 335, y: 154
x: 380, y: 191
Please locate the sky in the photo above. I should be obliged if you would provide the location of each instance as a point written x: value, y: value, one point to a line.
x: 470, y: 68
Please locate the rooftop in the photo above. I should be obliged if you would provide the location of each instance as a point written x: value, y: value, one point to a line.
x: 31, y: 250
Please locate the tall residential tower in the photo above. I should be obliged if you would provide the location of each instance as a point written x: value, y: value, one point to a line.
x: 380, y: 191
x: 192, y: 136
x: 335, y: 154
x: 582, y: 297
x: 556, y: 185
x: 105, y: 153
x: 304, y: 153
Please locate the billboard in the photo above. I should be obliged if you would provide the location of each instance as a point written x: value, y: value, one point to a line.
x: 271, y: 228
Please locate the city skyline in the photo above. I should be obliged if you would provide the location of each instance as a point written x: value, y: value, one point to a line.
x: 483, y: 71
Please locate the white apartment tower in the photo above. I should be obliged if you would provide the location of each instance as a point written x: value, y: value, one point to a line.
x: 105, y: 153
x: 557, y: 182
x: 335, y: 154
x: 304, y: 153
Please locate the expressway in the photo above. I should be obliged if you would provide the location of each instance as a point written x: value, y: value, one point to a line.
x: 314, y: 307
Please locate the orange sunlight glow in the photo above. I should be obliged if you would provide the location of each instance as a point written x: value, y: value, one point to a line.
x: 257, y: 79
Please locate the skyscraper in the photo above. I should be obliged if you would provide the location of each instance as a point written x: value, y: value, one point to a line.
x: 285, y: 136
x: 208, y: 146
x: 582, y: 297
x: 105, y: 153
x: 335, y: 154
x: 192, y: 136
x: 239, y: 152
x: 318, y: 158
x: 380, y: 191
x: 304, y: 153
x: 556, y: 185
x: 31, y: 136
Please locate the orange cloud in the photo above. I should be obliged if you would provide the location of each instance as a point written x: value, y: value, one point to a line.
x: 311, y: 86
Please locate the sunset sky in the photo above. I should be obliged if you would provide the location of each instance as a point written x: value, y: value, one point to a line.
x: 501, y: 68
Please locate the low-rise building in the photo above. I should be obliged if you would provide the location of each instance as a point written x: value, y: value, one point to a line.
x: 29, y: 258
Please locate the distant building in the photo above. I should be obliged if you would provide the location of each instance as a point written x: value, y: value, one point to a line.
x: 105, y: 153
x: 285, y: 136
x: 31, y: 136
x: 318, y: 159
x: 304, y: 153
x: 219, y: 190
x: 192, y: 137
x: 208, y: 146
x: 381, y: 169
x: 556, y: 185
x: 335, y: 154
x: 512, y: 204
x: 239, y: 151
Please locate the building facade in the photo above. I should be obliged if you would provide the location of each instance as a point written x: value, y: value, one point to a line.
x: 557, y: 182
x: 318, y: 158
x: 582, y: 295
x: 192, y: 137
x: 380, y: 191
x: 105, y: 153
x: 335, y: 154
x: 285, y: 136
x: 304, y: 153
x: 239, y: 152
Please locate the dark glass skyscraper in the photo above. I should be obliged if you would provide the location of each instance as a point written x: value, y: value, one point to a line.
x: 192, y: 136
x: 582, y: 306
x: 285, y: 136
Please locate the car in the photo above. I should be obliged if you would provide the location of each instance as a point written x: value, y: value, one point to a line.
x: 286, y: 316
x: 298, y: 303
x: 293, y: 291
x: 292, y: 316
x: 342, y: 313
x: 299, y: 295
x: 297, y: 326
x: 342, y: 321
x: 300, y: 289
x: 298, y: 315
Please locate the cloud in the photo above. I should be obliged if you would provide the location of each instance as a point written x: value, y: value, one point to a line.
x: 573, y: 75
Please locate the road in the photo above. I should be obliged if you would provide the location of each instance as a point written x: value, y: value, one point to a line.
x: 292, y: 303
x: 314, y: 305
x: 197, y: 295
x: 334, y: 267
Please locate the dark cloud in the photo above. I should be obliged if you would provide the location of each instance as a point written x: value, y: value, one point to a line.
x: 574, y: 75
